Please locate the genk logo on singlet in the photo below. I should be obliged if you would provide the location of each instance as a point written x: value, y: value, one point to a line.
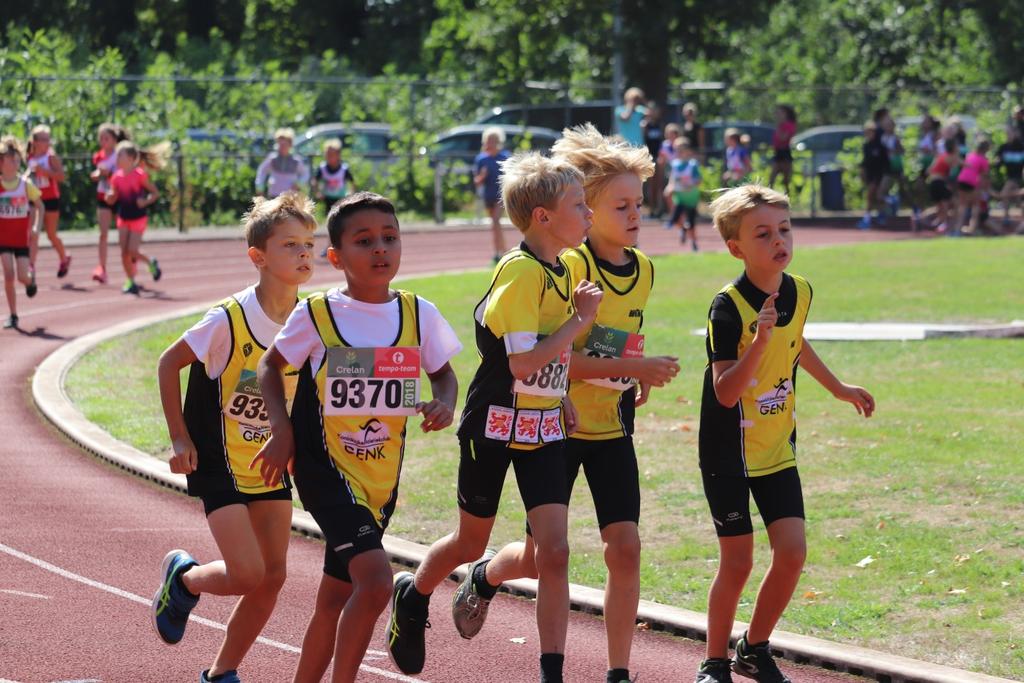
x: 367, y: 443
x: 548, y: 282
x: 773, y: 402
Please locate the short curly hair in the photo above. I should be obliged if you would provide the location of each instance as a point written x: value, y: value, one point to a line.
x: 729, y: 208
x: 600, y: 158
x: 264, y: 214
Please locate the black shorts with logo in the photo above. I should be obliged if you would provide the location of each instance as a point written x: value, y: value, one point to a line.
x: 349, y: 530
x: 483, y: 463
x: 18, y: 252
x: 612, y: 475
x: 777, y: 495
x: 216, y: 500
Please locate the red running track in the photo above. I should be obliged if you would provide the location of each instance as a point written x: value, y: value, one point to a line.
x: 80, y: 542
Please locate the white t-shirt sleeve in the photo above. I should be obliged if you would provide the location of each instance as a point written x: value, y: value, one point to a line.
x: 298, y: 339
x: 210, y: 340
x: 438, y: 341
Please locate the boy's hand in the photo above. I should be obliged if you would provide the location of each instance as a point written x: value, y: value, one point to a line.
x: 436, y: 415
x: 861, y: 399
x: 657, y: 371
x: 185, y: 458
x: 766, y: 319
x: 643, y: 392
x: 277, y: 454
x: 586, y: 298
x: 572, y: 417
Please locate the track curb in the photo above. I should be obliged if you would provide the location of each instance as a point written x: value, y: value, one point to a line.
x: 49, y: 395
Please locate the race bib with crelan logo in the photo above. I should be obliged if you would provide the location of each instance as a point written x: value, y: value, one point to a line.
x: 245, y: 405
x: 608, y: 342
x: 14, y: 207
x: 372, y: 381
x: 551, y: 380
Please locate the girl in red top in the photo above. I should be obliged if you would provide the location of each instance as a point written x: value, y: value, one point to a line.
x: 132, y: 192
x: 47, y: 173
x: 20, y: 209
x: 782, y: 162
x: 105, y: 162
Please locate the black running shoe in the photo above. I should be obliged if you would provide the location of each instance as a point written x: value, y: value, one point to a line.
x: 31, y: 288
x: 407, y: 628
x: 757, y: 663
x: 11, y: 323
x: 714, y: 670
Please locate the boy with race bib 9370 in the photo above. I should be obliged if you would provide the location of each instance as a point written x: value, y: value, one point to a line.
x: 361, y: 350
x: 222, y: 427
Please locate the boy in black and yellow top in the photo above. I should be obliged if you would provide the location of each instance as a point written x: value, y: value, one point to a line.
x: 516, y: 411
x: 221, y: 429
x: 361, y: 350
x: 748, y: 429
x: 607, y: 365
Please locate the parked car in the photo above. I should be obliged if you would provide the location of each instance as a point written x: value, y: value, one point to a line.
x: 368, y: 140
x: 825, y: 142
x: 714, y: 135
x: 554, y: 115
x: 463, y: 142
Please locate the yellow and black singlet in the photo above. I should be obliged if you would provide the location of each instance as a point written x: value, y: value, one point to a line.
x: 351, y: 458
x: 526, y: 297
x: 606, y: 407
x: 757, y: 436
x: 226, y: 417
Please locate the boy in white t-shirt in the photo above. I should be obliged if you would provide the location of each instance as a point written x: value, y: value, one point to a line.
x: 220, y: 430
x: 361, y: 349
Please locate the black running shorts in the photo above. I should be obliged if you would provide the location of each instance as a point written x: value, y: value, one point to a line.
x: 349, y: 530
x: 220, y: 499
x: 777, y: 495
x: 540, y: 474
x: 612, y: 474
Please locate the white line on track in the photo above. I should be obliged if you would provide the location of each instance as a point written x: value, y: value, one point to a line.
x: 64, y: 573
x: 24, y: 595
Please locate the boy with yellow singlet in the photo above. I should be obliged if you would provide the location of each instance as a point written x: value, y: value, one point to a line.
x: 361, y: 349
x: 223, y: 424
x: 607, y: 362
x: 747, y: 436
x: 517, y: 412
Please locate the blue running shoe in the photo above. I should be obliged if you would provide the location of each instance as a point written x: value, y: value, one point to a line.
x: 172, y: 602
x: 226, y: 677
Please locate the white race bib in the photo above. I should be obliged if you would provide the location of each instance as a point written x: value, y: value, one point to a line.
x: 372, y: 381
x: 608, y: 342
x: 550, y: 380
x: 245, y: 404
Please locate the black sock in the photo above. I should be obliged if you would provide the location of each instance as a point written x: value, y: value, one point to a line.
x: 617, y: 675
x: 551, y: 667
x: 483, y: 588
x: 213, y: 678
x: 416, y: 600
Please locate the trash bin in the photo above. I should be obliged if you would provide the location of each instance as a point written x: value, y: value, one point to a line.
x: 831, y: 179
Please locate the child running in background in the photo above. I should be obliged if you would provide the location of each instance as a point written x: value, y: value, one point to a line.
x: 282, y: 171
x: 221, y: 429
x: 333, y: 179
x: 47, y: 173
x: 20, y: 212
x: 132, y: 192
x: 873, y: 167
x: 737, y: 158
x: 927, y: 148
x: 517, y: 412
x: 940, y: 179
x: 663, y: 166
x: 609, y: 379
x: 972, y: 182
x: 685, y: 182
x: 782, y: 161
x: 105, y: 163
x: 487, y: 178
x: 747, y: 440
x: 361, y: 349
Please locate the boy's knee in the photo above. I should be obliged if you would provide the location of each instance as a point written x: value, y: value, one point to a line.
x: 553, y: 557
x: 377, y: 591
x: 737, y: 567
x: 790, y: 556
x: 623, y: 554
x: 274, y: 577
x: 247, y: 577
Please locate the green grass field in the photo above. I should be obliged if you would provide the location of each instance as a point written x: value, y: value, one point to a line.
x: 931, y: 487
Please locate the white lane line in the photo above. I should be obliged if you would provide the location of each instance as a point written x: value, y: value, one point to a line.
x: 64, y: 573
x: 24, y: 595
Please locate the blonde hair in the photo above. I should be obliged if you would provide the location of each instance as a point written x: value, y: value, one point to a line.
x: 41, y: 129
x: 600, y: 158
x: 729, y: 208
x: 529, y: 180
x: 633, y: 93
x: 680, y: 144
x: 688, y: 107
x: 11, y: 146
x: 493, y: 132
x: 288, y: 133
x: 673, y: 128
x: 264, y: 214
x: 154, y: 157
x: 333, y: 143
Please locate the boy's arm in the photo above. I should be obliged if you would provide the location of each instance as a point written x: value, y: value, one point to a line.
x: 655, y: 371
x: 279, y: 450
x: 440, y: 412
x: 586, y: 298
x: 732, y: 377
x: 177, y: 356
x: 863, y: 401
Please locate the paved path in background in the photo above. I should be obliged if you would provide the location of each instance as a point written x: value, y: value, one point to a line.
x: 80, y: 542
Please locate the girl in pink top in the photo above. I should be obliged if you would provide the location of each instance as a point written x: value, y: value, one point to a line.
x: 971, y: 182
x: 782, y: 162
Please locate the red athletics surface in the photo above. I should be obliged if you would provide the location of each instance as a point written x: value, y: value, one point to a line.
x: 80, y: 542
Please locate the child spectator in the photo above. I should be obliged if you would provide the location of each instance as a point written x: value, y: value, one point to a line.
x: 1010, y: 157
x: 782, y: 161
x: 630, y: 117
x: 47, y: 172
x: 972, y: 182
x: 737, y: 158
x: 333, y: 179
x: 517, y: 412
x: 361, y: 349
x: 21, y: 209
x: 873, y: 167
x: 685, y: 183
x: 282, y: 171
x: 104, y: 162
x: 940, y: 179
x: 132, y: 192
x: 487, y: 178
x: 747, y: 440
x: 223, y: 424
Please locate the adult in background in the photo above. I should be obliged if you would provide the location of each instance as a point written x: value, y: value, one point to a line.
x: 630, y: 117
x: 693, y: 131
x: 281, y: 171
